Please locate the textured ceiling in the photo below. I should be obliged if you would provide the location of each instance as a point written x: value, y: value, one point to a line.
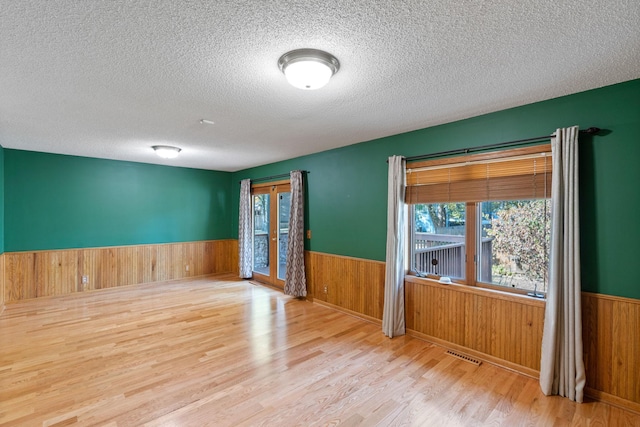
x: 111, y: 78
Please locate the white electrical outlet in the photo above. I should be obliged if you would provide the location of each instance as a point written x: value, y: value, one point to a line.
x: 187, y: 267
x: 326, y: 289
x: 85, y: 280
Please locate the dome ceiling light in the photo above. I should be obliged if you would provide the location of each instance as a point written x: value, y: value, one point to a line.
x: 308, y: 69
x: 166, y: 151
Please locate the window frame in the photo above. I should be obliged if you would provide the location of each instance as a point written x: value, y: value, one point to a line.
x: 472, y: 222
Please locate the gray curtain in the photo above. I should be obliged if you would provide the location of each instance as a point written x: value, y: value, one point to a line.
x: 245, y: 238
x: 295, y: 278
x: 393, y: 314
x: 561, y: 366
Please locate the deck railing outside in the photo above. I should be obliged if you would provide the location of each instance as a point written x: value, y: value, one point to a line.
x: 450, y: 252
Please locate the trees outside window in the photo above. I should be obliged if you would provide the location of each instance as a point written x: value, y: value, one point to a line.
x: 497, y: 243
x: 519, y: 232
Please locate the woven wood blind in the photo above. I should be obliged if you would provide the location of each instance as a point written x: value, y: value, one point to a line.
x: 509, y: 176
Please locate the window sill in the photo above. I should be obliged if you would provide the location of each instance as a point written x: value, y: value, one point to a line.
x: 474, y: 290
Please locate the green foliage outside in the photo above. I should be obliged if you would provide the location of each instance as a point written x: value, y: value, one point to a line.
x: 517, y: 233
x: 520, y: 232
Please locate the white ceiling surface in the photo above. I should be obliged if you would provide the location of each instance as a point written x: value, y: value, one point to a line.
x: 109, y: 79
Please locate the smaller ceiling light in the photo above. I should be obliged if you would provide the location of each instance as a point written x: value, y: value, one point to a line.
x: 207, y: 122
x: 308, y: 69
x: 166, y: 151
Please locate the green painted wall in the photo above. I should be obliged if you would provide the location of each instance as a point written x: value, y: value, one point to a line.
x: 347, y: 187
x: 56, y: 201
x: 1, y: 199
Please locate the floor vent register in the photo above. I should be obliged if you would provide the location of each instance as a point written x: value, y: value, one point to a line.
x: 464, y: 357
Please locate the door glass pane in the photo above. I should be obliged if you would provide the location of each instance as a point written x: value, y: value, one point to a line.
x: 261, y: 233
x: 284, y: 205
x: 439, y: 239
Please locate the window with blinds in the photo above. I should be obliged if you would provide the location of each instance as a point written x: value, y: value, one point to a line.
x: 511, y: 175
x: 483, y: 219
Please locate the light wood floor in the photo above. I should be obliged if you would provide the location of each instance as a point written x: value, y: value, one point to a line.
x: 229, y: 353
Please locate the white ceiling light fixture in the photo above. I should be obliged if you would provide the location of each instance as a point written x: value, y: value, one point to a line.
x: 166, y: 151
x: 308, y: 69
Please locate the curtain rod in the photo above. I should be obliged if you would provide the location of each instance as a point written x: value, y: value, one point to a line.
x: 282, y: 175
x: 590, y: 131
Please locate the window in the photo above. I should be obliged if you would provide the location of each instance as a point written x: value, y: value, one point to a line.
x: 439, y: 239
x: 483, y: 220
x: 514, y: 243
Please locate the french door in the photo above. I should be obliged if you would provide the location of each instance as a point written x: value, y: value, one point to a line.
x: 271, y: 204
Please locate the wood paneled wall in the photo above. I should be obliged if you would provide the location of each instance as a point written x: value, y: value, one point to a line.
x: 506, y: 329
x: 59, y: 272
x: 1, y: 283
x: 499, y: 327
x: 611, y: 337
x: 353, y: 284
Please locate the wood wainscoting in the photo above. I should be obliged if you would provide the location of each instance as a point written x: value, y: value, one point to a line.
x: 502, y: 328
x: 353, y: 285
x: 59, y: 272
x: 496, y: 326
x: 1, y: 283
x: 611, y: 337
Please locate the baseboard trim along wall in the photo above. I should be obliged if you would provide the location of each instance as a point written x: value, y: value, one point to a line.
x: 347, y: 311
x: 477, y: 354
x: 353, y: 284
x: 59, y: 272
x: 498, y: 327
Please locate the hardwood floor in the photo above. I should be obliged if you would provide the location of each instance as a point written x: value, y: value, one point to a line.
x: 222, y: 352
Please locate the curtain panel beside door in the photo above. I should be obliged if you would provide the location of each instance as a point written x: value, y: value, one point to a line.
x: 245, y: 238
x: 295, y: 278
